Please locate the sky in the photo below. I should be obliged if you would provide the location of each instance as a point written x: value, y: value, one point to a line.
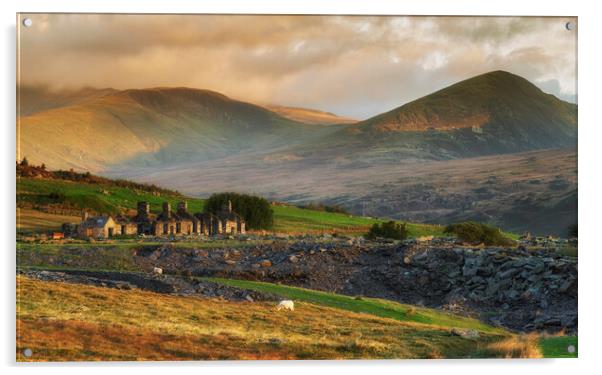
x: 356, y: 66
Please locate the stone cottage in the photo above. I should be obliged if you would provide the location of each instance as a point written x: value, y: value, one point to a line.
x: 127, y: 227
x: 144, y: 220
x: 174, y: 223
x: 231, y: 222
x: 98, y: 227
x: 209, y: 224
x: 167, y: 223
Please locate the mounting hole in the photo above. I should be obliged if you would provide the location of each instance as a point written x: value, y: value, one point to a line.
x: 569, y: 26
x: 27, y: 22
x: 571, y: 348
x: 27, y: 352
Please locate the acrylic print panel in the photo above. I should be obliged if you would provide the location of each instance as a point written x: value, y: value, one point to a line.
x: 205, y: 187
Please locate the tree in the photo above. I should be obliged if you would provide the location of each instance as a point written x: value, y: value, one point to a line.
x: 24, y: 162
x: 256, y: 211
x: 572, y: 230
x: 473, y: 232
x: 389, y: 229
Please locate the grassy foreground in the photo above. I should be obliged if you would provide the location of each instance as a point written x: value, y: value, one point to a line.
x: 61, y: 322
x: 374, y: 306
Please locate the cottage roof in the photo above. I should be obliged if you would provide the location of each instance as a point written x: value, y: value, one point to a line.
x: 95, y: 222
x: 233, y: 216
x: 206, y: 216
x: 173, y: 216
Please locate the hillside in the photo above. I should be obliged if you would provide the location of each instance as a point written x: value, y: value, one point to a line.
x: 310, y: 116
x: 44, y: 204
x: 494, y: 113
x: 34, y: 99
x: 200, y: 142
x: 159, y: 126
x: 171, y: 328
x: 490, y: 100
x: 121, y: 131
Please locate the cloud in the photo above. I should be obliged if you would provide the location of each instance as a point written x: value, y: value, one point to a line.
x: 353, y: 65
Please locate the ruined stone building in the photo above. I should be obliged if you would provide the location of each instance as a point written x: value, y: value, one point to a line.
x: 174, y: 223
x: 144, y: 220
x: 208, y: 223
x: 167, y: 223
x: 231, y: 222
x: 97, y: 227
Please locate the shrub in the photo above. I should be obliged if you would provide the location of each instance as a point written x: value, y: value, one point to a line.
x: 325, y: 208
x: 256, y: 211
x: 474, y: 232
x: 572, y: 231
x: 389, y: 229
x: 57, y: 196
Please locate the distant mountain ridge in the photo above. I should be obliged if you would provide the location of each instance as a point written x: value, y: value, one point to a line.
x: 476, y: 102
x: 98, y: 130
x: 158, y: 126
x: 200, y: 142
x: 310, y: 116
x: 493, y: 113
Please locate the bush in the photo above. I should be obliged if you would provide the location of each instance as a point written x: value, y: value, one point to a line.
x: 572, y: 231
x: 325, y: 208
x: 474, y: 232
x: 389, y: 229
x: 256, y: 211
x: 57, y: 196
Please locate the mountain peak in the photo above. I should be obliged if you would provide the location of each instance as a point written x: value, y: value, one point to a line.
x: 477, y: 102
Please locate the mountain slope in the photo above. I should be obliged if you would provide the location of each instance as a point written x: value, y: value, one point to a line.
x: 310, y: 116
x: 160, y: 126
x: 494, y: 113
x: 34, y: 99
x: 480, y: 101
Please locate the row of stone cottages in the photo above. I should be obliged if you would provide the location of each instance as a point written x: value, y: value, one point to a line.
x: 167, y: 223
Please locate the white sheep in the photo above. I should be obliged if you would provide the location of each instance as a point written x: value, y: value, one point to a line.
x: 158, y: 271
x: 286, y: 304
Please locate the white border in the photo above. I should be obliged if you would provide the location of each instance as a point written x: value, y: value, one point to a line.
x: 590, y: 141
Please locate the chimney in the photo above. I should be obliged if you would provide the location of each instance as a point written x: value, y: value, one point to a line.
x: 166, y: 208
x: 143, y: 209
x: 182, y: 207
x: 227, y: 207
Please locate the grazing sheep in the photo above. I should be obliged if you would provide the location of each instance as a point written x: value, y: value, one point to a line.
x: 158, y: 271
x: 286, y: 304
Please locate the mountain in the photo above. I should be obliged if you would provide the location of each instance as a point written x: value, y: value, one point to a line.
x: 438, y: 158
x: 152, y: 127
x: 492, y: 100
x: 100, y: 130
x: 37, y: 98
x: 310, y: 116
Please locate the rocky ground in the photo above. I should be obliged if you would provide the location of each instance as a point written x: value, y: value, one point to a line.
x: 521, y: 289
x: 167, y: 284
x: 517, y: 288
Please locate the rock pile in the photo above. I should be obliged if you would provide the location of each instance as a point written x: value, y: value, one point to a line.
x: 515, y: 288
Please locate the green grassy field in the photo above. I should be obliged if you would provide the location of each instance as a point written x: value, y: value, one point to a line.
x: 558, y: 346
x: 99, y: 198
x: 550, y: 347
x: 113, y: 200
x: 374, y: 306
